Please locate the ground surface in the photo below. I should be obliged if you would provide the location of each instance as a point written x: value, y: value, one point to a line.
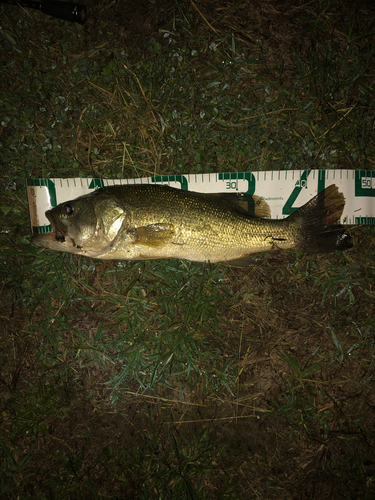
x: 176, y: 379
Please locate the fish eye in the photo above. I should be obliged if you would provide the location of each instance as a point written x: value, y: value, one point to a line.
x: 68, y: 209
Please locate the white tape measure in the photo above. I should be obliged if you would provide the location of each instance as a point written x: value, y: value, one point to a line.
x: 283, y: 190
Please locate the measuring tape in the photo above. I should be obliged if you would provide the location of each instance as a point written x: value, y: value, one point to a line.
x: 283, y: 190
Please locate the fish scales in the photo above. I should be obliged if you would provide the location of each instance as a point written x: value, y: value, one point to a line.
x: 199, y: 222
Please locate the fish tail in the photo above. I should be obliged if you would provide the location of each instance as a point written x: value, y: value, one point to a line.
x: 320, y: 227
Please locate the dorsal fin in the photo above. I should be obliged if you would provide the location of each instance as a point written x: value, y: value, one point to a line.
x: 245, y: 204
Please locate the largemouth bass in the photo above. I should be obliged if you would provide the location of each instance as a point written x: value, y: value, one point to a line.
x: 145, y: 222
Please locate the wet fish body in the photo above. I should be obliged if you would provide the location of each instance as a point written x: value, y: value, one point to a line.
x: 144, y: 222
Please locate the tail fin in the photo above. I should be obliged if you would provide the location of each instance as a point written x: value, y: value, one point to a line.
x: 319, y: 218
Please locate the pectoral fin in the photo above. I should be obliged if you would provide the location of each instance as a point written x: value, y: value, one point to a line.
x: 154, y: 235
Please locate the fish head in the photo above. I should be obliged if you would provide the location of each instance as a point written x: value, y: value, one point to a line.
x: 75, y: 220
x: 87, y: 225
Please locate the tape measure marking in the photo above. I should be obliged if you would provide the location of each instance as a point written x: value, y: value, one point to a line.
x: 285, y: 191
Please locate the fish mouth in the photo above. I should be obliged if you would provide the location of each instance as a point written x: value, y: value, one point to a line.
x: 59, y: 226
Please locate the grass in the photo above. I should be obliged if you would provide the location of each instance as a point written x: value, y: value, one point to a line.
x: 176, y: 379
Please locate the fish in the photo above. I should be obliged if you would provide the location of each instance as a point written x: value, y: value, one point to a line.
x: 148, y: 222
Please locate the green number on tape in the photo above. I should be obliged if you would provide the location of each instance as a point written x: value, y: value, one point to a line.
x: 364, y: 183
x: 301, y: 183
x: 233, y: 177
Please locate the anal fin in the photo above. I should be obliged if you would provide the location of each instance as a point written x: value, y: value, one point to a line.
x: 244, y: 261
